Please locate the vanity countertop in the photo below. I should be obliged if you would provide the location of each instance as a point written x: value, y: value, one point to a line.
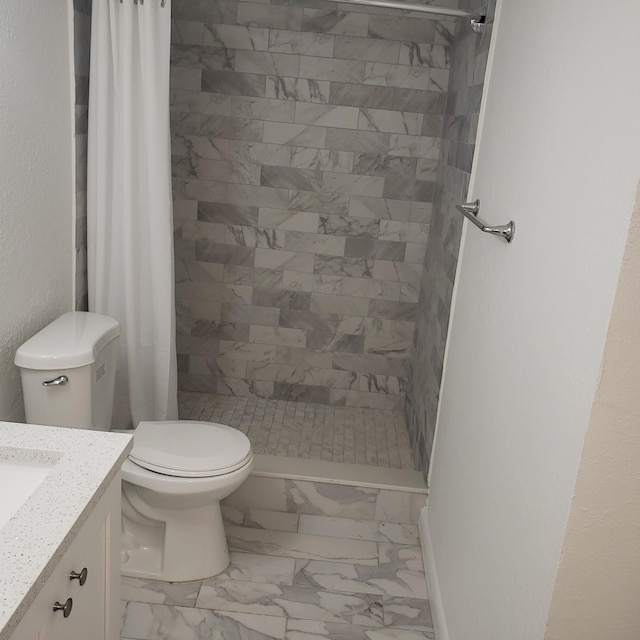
x: 82, y: 464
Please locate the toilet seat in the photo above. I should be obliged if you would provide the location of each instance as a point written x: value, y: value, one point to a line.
x: 189, y: 449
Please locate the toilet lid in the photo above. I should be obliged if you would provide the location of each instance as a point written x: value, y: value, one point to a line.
x: 187, y: 448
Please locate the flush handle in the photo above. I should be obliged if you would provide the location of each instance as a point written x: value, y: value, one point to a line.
x: 56, y: 382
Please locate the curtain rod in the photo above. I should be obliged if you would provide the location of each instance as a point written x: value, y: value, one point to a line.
x: 477, y: 18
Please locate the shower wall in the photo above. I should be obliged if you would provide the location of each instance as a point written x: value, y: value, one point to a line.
x: 468, y: 63
x: 305, y: 148
x: 81, y: 49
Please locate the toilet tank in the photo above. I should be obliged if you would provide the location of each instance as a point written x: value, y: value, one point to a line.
x: 68, y: 371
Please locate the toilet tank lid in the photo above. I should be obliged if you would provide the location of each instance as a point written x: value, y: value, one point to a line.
x: 72, y: 340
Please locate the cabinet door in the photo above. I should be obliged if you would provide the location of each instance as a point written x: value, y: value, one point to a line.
x: 96, y: 549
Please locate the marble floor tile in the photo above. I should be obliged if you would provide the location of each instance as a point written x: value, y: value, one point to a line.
x: 407, y: 613
x: 320, y: 630
x: 163, y: 622
x: 359, y: 530
x: 291, y: 602
x: 263, y: 519
x: 259, y: 568
x: 300, y: 545
x: 358, y: 578
x: 154, y: 592
x: 400, y: 556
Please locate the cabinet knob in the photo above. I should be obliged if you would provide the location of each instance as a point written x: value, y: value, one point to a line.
x: 80, y: 577
x: 65, y: 608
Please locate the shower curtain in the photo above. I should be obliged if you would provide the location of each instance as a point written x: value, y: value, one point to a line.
x: 129, y: 216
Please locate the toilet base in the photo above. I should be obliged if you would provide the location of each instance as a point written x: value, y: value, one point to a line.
x: 171, y: 546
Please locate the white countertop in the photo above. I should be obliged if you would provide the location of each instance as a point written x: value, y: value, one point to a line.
x: 39, y: 532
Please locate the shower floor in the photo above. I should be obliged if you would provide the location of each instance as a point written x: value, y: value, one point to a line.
x: 303, y: 430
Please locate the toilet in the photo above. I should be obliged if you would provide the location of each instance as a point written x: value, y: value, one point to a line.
x: 176, y: 473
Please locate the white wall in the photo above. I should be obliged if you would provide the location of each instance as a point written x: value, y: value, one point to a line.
x: 559, y: 151
x: 36, y: 201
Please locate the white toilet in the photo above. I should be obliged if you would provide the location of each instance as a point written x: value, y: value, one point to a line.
x: 177, y: 472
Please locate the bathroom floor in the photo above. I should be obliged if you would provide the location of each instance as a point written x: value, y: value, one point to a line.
x: 294, y: 577
x: 303, y: 430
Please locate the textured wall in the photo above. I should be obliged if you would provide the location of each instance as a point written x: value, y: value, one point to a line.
x: 81, y: 49
x: 468, y: 63
x: 305, y: 145
x: 35, y: 179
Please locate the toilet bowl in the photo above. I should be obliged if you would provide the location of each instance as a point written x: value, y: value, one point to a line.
x: 172, y: 484
x: 177, y: 472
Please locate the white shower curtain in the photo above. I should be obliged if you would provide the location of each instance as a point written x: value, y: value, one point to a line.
x: 129, y: 217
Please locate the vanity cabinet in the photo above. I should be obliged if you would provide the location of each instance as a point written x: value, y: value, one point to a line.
x: 86, y: 580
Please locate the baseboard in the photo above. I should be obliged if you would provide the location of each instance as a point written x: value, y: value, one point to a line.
x: 433, y: 586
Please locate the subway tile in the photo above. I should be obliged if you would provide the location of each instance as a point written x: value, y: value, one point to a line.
x: 379, y: 208
x: 397, y: 271
x: 232, y: 36
x: 279, y: 64
x: 393, y: 98
x: 216, y: 212
x: 352, y: 184
x: 409, y: 189
x: 400, y: 28
x: 340, y: 266
x: 358, y: 141
x: 186, y: 79
x: 349, y: 227
x: 336, y: 341
x: 247, y: 314
x: 223, y: 11
x: 434, y: 56
x: 296, y: 42
x: 201, y: 57
x: 307, y: 376
x: 368, y: 49
x: 197, y: 147
x: 187, y: 32
x: 209, y: 251
x: 308, y: 321
x: 426, y: 169
x: 214, y: 104
x: 251, y: 352
x: 414, y: 146
x: 376, y: 249
x: 314, y: 243
x: 390, y: 121
x: 326, y: 115
x: 262, y: 109
x: 277, y: 335
x: 252, y: 276
x: 298, y: 89
x: 218, y: 170
x: 403, y: 231
x: 322, y: 159
x: 289, y: 220
x: 331, y: 69
x: 261, y: 15
x: 244, y: 387
x: 341, y: 305
x: 370, y: 363
x: 438, y: 80
x: 301, y: 393
x: 377, y: 164
x: 303, y: 357
x: 312, y: 282
x: 389, y: 347
x: 352, y: 398
x: 391, y: 75
x: 284, y: 299
x: 323, y: 202
x: 294, y: 134
x: 369, y: 288
x: 290, y: 178
x: 195, y: 124
x: 393, y: 311
x: 253, y: 237
x: 338, y: 22
x: 374, y: 383
x: 230, y: 82
x: 284, y: 260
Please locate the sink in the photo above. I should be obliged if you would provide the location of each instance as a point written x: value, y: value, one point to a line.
x: 20, y: 476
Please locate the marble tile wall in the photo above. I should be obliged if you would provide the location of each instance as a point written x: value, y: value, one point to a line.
x: 305, y: 147
x: 468, y: 63
x: 81, y: 48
